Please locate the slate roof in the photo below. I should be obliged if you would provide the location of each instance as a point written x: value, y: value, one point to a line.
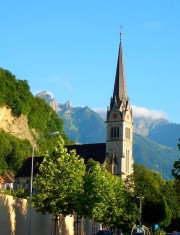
x: 25, y: 170
x: 95, y: 151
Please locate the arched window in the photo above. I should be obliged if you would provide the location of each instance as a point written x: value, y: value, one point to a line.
x: 111, y: 132
x: 114, y: 132
x: 117, y: 132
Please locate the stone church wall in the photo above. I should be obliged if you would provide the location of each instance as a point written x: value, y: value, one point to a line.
x: 15, y: 220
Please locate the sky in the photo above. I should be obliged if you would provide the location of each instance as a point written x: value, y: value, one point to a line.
x: 70, y: 48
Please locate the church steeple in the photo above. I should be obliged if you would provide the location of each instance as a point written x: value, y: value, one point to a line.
x: 120, y: 79
x: 119, y: 123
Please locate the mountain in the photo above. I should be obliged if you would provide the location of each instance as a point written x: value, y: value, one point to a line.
x: 151, y: 147
x: 144, y: 125
x: 81, y: 124
x: 168, y: 134
x: 154, y: 156
x: 159, y: 130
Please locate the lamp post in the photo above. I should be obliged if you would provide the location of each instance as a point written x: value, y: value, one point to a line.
x: 31, y: 184
x: 140, y: 208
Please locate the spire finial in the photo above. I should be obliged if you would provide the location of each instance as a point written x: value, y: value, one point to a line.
x: 121, y: 32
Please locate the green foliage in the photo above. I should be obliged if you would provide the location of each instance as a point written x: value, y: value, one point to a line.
x: 149, y: 186
x: 12, y: 152
x: 41, y: 118
x: 173, y: 196
x: 15, y: 93
x: 155, y: 210
x: 78, y: 125
x: 20, y: 193
x: 59, y: 183
x: 154, y: 156
x: 105, y: 198
x: 176, y: 170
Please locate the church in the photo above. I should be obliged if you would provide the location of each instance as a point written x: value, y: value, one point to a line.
x: 118, y: 148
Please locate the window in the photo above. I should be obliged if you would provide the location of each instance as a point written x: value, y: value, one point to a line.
x: 115, y: 132
x: 127, y: 133
x: 111, y: 132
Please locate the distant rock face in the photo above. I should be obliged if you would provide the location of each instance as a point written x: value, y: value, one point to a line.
x: 143, y: 125
x: 48, y: 97
x: 17, y: 126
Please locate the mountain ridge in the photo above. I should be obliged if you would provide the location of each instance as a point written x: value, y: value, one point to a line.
x: 80, y: 123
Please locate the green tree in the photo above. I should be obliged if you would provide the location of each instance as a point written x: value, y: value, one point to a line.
x: 175, y: 199
x: 155, y: 210
x: 176, y: 167
x: 176, y: 170
x: 13, y: 152
x: 59, y: 184
x: 105, y: 198
x: 171, y: 195
x: 147, y: 185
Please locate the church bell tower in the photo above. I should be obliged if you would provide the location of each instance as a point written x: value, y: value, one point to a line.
x: 119, y: 125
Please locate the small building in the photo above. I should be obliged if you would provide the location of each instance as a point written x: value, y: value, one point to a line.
x: 97, y: 152
x: 6, y: 181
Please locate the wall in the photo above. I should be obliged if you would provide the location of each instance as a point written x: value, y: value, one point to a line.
x: 15, y: 220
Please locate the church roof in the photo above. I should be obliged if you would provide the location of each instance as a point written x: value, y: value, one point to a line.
x: 95, y: 151
x: 25, y: 170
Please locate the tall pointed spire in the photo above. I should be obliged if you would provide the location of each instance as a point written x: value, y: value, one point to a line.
x: 120, y: 79
x: 119, y: 124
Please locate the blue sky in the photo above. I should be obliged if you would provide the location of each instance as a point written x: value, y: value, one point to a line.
x: 70, y: 48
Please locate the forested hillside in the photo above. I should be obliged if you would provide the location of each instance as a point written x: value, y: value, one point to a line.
x: 168, y: 134
x: 41, y: 119
x: 154, y: 156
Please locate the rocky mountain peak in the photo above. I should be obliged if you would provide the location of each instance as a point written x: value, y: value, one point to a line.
x: 68, y: 104
x: 49, y: 98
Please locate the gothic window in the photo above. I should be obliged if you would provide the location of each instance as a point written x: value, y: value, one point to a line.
x: 111, y: 132
x: 114, y: 132
x: 118, y: 132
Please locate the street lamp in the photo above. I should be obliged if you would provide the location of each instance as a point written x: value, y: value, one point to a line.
x: 140, y: 207
x: 31, y: 182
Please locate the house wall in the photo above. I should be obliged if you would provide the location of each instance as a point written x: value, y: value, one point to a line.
x: 15, y: 220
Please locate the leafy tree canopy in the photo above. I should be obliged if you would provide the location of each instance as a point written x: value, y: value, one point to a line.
x: 59, y: 183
